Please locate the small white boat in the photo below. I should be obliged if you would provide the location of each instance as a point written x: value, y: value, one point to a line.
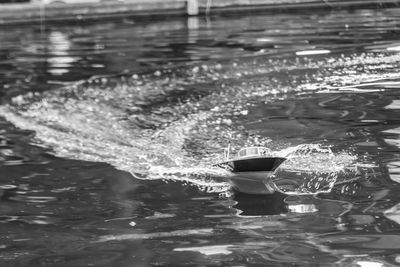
x: 251, y: 170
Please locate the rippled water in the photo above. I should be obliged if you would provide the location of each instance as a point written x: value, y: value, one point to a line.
x: 109, y: 130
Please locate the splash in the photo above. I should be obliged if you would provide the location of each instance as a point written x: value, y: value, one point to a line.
x: 316, y: 158
x: 160, y: 154
x: 145, y: 154
x: 173, y: 124
x: 313, y: 169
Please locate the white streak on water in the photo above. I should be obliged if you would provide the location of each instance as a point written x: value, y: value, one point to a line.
x: 136, y: 236
x: 208, y: 250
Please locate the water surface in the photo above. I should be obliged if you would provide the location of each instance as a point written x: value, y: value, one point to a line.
x: 109, y: 130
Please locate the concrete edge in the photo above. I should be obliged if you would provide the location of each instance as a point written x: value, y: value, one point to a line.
x: 36, y: 13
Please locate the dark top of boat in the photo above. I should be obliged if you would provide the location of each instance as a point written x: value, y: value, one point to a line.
x: 252, y: 159
x: 260, y: 164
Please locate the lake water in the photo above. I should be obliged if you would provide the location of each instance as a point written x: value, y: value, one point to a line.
x: 109, y: 130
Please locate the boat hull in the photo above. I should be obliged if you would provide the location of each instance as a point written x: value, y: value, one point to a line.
x: 258, y: 183
x: 252, y: 175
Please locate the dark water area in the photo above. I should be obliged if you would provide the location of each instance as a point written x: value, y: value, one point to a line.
x: 109, y: 130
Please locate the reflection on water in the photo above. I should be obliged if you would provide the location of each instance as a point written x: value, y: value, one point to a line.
x: 109, y: 131
x: 60, y: 60
x: 253, y: 205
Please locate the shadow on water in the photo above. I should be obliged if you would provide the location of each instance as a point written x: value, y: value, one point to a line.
x: 256, y: 205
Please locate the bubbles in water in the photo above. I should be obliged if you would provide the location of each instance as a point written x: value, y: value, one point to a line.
x: 174, y: 124
x: 311, y: 169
